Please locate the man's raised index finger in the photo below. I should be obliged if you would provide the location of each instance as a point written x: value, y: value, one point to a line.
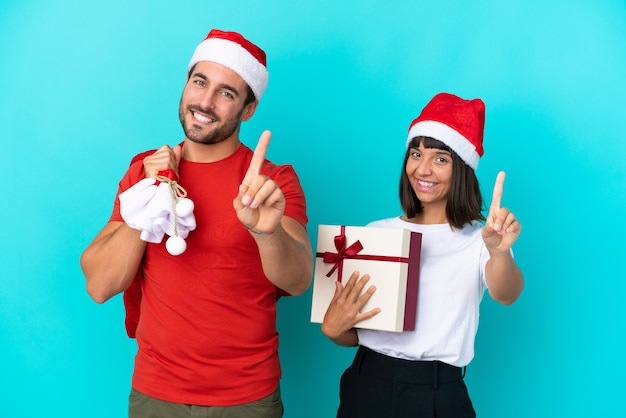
x: 259, y: 154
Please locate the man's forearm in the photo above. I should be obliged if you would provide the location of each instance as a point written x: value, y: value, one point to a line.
x: 286, y: 257
x: 110, y: 263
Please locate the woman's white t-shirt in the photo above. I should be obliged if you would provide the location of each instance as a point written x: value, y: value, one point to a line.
x: 451, y: 286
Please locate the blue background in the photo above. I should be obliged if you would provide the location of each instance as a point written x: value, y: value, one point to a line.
x: 86, y: 85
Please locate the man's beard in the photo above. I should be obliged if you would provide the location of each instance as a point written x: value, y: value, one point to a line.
x: 215, y: 136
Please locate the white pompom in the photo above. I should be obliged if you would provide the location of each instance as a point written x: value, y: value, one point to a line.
x: 175, y: 245
x: 184, y: 207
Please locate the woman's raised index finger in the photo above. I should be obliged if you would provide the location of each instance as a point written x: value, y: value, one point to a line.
x: 498, y: 189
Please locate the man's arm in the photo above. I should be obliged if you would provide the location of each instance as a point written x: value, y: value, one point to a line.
x: 110, y: 263
x: 283, y: 243
x: 286, y: 256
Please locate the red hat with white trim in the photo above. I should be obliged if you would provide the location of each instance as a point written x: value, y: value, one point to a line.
x: 232, y: 50
x: 458, y: 123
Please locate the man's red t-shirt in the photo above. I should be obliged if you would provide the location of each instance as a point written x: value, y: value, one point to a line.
x: 207, y: 328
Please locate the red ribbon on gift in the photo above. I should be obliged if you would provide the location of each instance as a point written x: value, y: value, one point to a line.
x: 351, y: 252
x: 342, y: 252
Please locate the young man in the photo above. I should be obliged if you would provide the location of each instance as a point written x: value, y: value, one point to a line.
x: 206, y: 319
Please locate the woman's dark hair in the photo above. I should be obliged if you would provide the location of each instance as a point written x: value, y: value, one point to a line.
x: 250, y: 97
x: 464, y: 198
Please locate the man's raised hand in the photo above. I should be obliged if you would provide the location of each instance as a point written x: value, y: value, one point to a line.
x: 163, y: 159
x: 260, y: 203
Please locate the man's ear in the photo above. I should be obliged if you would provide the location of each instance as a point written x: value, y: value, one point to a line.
x: 249, y: 110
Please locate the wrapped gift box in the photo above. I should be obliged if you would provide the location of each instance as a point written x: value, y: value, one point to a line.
x: 390, y: 256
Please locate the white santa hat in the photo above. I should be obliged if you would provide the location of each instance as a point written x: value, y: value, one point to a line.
x: 232, y: 50
x: 456, y: 122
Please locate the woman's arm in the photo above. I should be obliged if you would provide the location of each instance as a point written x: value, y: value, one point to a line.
x: 343, y: 313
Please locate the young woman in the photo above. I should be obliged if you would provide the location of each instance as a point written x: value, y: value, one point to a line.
x: 420, y: 373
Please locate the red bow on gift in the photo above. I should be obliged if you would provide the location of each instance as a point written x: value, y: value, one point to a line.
x: 342, y: 252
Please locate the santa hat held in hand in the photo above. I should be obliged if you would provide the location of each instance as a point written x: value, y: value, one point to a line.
x: 456, y: 122
x: 232, y: 50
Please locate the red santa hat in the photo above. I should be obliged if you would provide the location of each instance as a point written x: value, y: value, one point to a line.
x: 456, y: 122
x: 232, y: 50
